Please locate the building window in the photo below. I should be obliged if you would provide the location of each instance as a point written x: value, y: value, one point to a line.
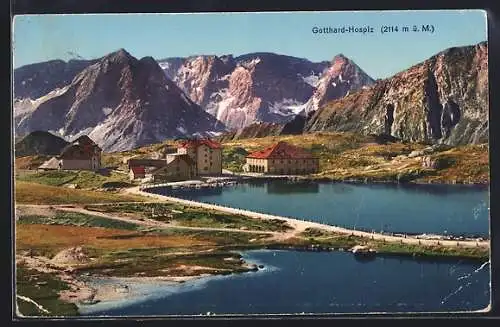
x: 272, y: 161
x: 205, y: 168
x: 289, y: 161
x: 281, y: 161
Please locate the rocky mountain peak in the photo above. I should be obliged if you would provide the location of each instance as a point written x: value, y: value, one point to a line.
x: 340, y: 57
x: 342, y: 77
x: 120, y: 55
x: 120, y: 102
x: 443, y: 99
x: 239, y: 91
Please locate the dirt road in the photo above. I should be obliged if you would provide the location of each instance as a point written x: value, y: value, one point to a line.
x: 301, y: 225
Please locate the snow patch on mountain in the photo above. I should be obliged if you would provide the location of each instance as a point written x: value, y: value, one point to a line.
x: 311, y: 79
x: 286, y: 107
x: 107, y: 110
x: 23, y: 107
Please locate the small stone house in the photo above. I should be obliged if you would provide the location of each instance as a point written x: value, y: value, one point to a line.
x: 81, y: 154
x: 179, y: 167
x: 206, y: 155
x: 282, y: 159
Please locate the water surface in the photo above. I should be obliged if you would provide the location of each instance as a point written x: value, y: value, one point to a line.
x: 416, y: 209
x: 321, y: 282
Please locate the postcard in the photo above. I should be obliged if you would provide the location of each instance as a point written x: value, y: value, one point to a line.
x: 251, y: 164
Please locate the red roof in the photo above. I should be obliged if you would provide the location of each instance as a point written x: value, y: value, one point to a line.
x: 281, y: 150
x: 138, y: 170
x: 196, y: 143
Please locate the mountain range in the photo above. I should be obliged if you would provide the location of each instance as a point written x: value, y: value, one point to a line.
x: 261, y: 86
x: 122, y: 102
x: 441, y: 100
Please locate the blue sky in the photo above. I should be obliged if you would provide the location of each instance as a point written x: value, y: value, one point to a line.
x: 39, y: 38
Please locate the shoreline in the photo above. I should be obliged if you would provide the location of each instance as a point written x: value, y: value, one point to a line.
x: 146, y: 288
x: 318, y: 178
x: 360, y: 180
x: 227, y: 181
x: 111, y: 290
x: 301, y: 225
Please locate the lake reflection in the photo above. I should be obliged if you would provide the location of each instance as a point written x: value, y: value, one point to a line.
x: 441, y: 209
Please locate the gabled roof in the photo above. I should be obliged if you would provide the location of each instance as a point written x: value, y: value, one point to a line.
x: 52, y: 163
x: 84, y: 139
x: 281, y: 150
x: 196, y: 143
x: 83, y: 143
x: 138, y: 170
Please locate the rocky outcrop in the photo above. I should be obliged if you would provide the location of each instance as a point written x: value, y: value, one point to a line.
x: 441, y: 100
x: 171, y: 66
x: 256, y: 87
x: 342, y: 78
x: 435, y: 163
x: 256, y: 130
x: 202, y: 77
x: 261, y: 129
x: 121, y: 103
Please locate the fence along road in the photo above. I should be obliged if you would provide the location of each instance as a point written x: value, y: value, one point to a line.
x: 300, y: 225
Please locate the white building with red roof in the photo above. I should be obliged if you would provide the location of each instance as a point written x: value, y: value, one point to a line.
x: 205, y: 153
x: 282, y: 159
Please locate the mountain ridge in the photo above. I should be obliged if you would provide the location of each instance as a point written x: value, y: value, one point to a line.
x: 119, y: 102
x: 445, y: 97
x: 253, y: 87
x: 448, y: 94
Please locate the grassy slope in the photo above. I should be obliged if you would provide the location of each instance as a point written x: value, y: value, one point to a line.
x: 349, y: 156
x: 84, y: 179
x: 25, y: 162
x: 329, y: 239
x: 123, y: 249
x: 342, y: 156
x: 119, y: 251
x: 468, y: 163
x: 192, y: 216
x: 33, y: 193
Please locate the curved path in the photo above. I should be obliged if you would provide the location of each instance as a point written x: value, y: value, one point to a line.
x: 301, y: 225
x: 147, y: 222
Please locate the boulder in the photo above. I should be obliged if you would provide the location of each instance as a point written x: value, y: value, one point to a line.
x: 416, y: 153
x: 436, y: 163
x: 74, y: 255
